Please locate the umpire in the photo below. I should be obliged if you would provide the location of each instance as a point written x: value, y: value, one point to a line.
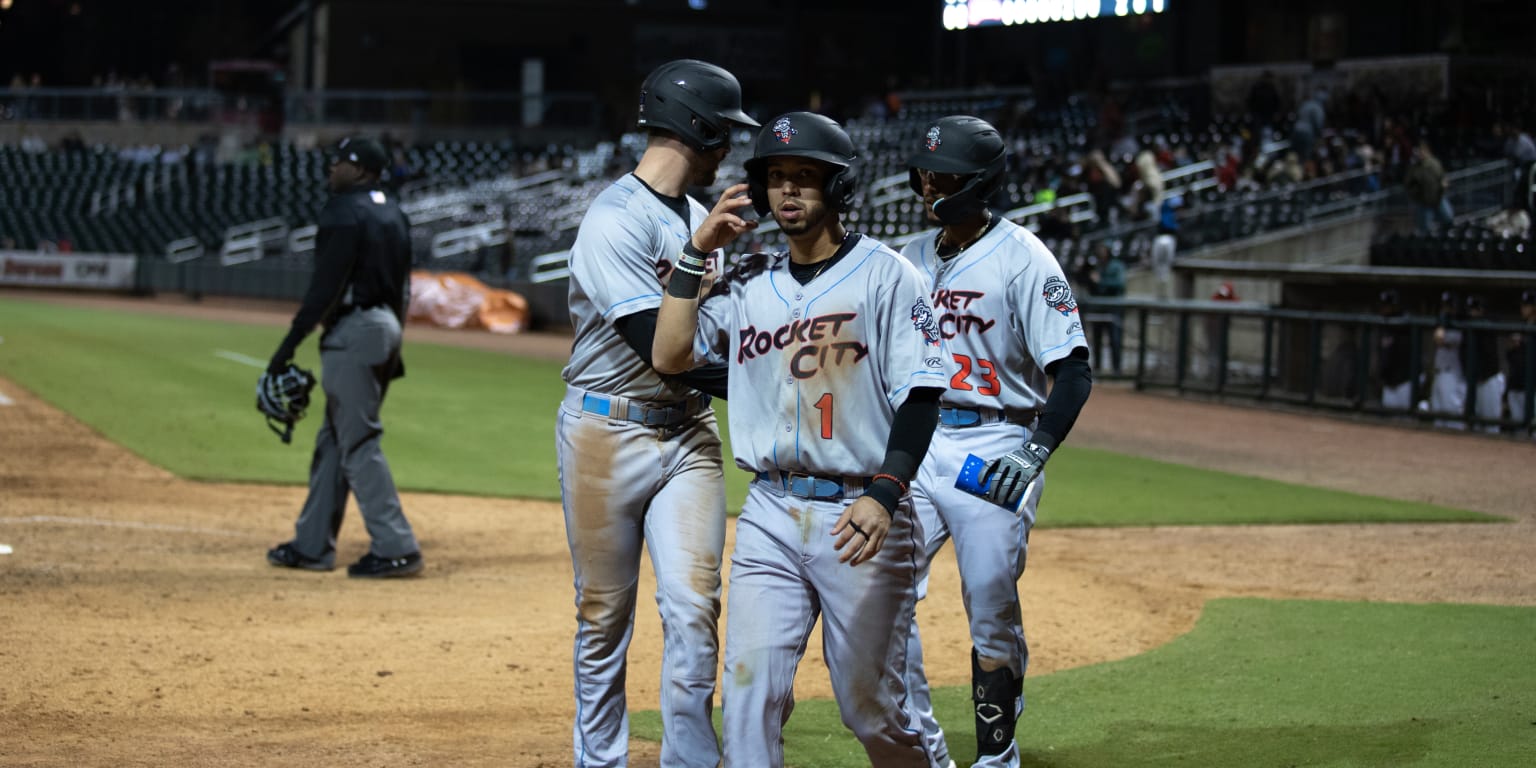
x: 358, y: 293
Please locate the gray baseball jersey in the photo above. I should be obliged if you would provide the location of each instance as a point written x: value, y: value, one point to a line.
x: 1005, y: 312
x: 627, y: 219
x: 818, y: 370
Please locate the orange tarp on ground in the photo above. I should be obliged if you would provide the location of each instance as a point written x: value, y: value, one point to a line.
x: 456, y: 300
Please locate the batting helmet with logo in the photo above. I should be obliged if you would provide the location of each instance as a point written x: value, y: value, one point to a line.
x: 964, y: 145
x: 805, y: 134
x: 695, y: 100
x: 283, y: 398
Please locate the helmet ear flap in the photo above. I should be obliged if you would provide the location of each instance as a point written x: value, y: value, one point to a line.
x: 840, y: 189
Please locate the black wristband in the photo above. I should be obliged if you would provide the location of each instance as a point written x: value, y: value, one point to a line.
x: 886, y: 492
x: 692, y: 253
x: 687, y: 274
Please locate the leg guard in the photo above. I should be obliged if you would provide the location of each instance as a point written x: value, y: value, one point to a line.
x: 997, y: 695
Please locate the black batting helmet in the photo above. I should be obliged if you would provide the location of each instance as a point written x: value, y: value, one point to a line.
x: 805, y: 134
x: 963, y: 145
x: 695, y: 100
x: 283, y: 398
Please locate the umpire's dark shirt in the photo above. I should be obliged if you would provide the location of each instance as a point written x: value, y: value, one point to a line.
x: 363, y: 241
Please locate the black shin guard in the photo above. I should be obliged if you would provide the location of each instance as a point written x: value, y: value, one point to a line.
x: 996, y: 696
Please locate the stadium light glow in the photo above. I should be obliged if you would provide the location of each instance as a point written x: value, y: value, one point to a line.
x: 963, y: 14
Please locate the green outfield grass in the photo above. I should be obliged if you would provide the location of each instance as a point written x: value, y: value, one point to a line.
x: 181, y: 393
x: 1262, y: 683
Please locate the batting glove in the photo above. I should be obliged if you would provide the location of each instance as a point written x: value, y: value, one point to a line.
x: 1009, y: 475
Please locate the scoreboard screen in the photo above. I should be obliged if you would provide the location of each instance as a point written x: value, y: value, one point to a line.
x: 964, y: 14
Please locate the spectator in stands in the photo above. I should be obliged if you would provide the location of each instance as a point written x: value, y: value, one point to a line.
x: 1103, y: 183
x: 1216, y: 327
x: 1364, y: 158
x: 1483, y: 354
x: 1108, y: 281
x: 1264, y: 103
x: 1425, y: 184
x: 1165, y: 248
x: 1513, y: 221
x: 1519, y: 148
x: 1311, y: 118
x: 1520, y: 358
x: 1448, y: 389
x: 1395, y: 356
x: 1147, y: 194
x: 1285, y: 169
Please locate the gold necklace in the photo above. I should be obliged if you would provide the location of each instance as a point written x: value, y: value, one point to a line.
x: 986, y: 227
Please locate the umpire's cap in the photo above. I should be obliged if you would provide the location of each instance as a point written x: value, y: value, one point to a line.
x: 967, y: 146
x: 805, y: 134
x: 1389, y: 298
x: 1528, y: 296
x: 367, y: 154
x: 695, y: 100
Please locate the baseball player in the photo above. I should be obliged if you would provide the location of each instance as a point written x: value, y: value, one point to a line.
x: 1395, y: 361
x: 835, y: 373
x: 1488, y: 382
x: 1020, y: 378
x: 1521, y: 359
x: 358, y: 293
x: 639, y: 453
x: 1448, y: 391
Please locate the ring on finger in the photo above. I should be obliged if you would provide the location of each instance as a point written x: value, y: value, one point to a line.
x: 858, y: 530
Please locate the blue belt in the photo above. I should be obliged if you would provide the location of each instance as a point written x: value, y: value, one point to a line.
x: 649, y: 414
x: 812, y: 486
x: 970, y: 417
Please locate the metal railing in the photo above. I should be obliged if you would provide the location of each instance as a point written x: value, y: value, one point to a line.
x: 1316, y: 359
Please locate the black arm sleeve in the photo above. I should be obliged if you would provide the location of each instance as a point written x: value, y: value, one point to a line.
x: 1073, y: 381
x: 639, y: 329
x: 911, y: 431
x: 335, y: 252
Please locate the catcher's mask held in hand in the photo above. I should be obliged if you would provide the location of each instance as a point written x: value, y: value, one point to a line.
x: 283, y: 398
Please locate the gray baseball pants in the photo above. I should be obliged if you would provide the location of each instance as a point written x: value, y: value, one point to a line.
x: 357, y: 358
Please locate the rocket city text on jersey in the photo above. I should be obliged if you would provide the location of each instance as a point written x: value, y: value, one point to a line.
x: 955, y: 323
x: 812, y: 355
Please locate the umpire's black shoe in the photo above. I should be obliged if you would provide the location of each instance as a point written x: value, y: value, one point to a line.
x: 285, y: 556
x: 374, y: 567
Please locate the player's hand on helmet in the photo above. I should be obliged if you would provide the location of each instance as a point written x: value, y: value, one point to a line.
x: 725, y: 223
x: 1009, y: 475
x: 861, y: 531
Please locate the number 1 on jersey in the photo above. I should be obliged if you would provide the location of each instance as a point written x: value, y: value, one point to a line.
x: 825, y: 406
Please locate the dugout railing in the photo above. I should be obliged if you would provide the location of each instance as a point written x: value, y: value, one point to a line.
x: 1324, y: 360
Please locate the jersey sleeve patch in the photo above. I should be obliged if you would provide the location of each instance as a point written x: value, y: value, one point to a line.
x: 922, y: 320
x: 1059, y: 296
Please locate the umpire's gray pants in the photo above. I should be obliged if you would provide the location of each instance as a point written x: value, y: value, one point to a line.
x: 357, y: 356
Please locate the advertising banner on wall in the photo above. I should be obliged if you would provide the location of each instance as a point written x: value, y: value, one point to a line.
x: 104, y: 271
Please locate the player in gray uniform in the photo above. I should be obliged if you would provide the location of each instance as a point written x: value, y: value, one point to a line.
x: 639, y: 453
x: 832, y: 353
x: 1020, y: 378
